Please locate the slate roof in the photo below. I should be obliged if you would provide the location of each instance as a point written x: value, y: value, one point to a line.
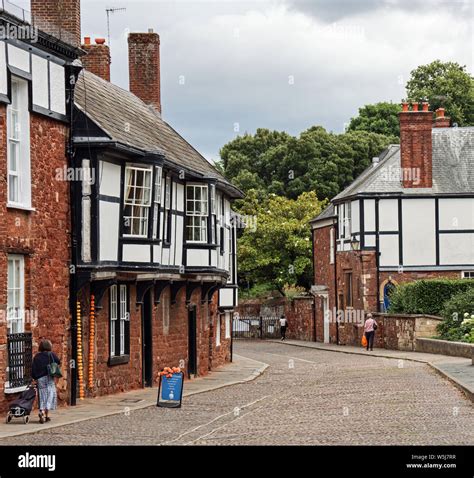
x: 127, y: 120
x: 327, y: 213
x: 453, y: 167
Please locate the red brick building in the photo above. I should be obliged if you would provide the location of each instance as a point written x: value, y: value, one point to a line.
x: 409, y: 216
x: 34, y: 200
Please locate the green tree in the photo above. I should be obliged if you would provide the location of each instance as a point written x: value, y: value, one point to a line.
x: 277, y: 163
x: 381, y: 118
x: 445, y: 84
x: 278, y: 249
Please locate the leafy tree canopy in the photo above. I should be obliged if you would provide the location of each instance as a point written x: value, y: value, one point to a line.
x: 447, y: 85
x: 272, y: 162
x: 278, y: 249
x: 381, y: 118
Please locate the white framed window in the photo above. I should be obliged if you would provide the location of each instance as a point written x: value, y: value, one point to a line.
x: 344, y: 220
x: 213, y: 199
x: 119, y: 320
x: 157, y: 200
x: 124, y: 316
x: 16, y: 294
x: 137, y: 200
x: 196, y: 212
x: 227, y: 324
x: 18, y: 148
x: 113, y: 318
x: 218, y: 330
x: 468, y: 274
x: 167, y: 213
x: 331, y: 246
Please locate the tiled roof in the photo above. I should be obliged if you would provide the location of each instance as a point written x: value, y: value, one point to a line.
x: 326, y: 214
x: 127, y: 120
x: 453, y: 167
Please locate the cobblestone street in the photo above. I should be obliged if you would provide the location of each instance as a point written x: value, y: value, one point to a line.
x: 305, y: 397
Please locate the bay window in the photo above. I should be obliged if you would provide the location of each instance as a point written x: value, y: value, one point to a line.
x: 167, y: 213
x: 196, y: 212
x: 18, y: 147
x: 157, y: 200
x: 137, y: 200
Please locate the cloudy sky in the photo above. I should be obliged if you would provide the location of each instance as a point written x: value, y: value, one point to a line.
x: 282, y: 64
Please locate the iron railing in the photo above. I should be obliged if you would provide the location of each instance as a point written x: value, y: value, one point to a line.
x: 20, y: 358
x: 254, y: 327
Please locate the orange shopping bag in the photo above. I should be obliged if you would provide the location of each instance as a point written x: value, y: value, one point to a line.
x: 364, y: 341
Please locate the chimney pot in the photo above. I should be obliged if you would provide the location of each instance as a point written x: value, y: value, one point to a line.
x: 97, y: 59
x: 440, y: 113
x: 416, y: 147
x: 404, y: 106
x: 425, y: 106
x: 87, y: 40
x: 441, y: 121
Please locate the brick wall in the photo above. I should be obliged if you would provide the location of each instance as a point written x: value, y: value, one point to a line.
x: 43, y: 237
x: 144, y: 67
x: 60, y: 18
x: 169, y: 345
x: 97, y: 60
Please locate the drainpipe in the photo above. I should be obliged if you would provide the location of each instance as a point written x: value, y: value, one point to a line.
x: 313, y: 305
x: 336, y: 298
x: 72, y: 73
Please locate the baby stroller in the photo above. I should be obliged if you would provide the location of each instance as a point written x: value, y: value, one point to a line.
x: 21, y: 407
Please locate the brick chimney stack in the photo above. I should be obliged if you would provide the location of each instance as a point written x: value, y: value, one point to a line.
x: 97, y: 60
x: 144, y: 67
x: 416, y: 146
x: 441, y: 121
x: 60, y: 18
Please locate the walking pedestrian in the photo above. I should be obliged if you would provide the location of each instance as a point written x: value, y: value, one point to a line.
x: 370, y: 327
x: 283, y: 327
x: 41, y: 372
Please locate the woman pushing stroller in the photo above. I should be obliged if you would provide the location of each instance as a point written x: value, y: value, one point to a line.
x: 45, y: 368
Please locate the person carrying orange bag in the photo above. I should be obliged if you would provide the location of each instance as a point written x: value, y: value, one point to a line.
x: 364, y: 341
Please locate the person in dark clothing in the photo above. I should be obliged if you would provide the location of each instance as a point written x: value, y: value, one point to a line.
x: 370, y: 327
x: 46, y: 384
x: 283, y: 327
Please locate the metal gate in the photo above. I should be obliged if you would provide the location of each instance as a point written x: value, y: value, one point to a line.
x: 20, y: 359
x: 254, y: 327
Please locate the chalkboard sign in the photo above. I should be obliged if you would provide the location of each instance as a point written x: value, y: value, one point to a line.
x: 170, y: 391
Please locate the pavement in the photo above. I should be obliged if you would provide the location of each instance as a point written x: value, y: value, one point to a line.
x: 241, y: 370
x: 306, y: 396
x: 458, y: 370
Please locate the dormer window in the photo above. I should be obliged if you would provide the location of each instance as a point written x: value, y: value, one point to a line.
x: 196, y: 212
x: 137, y: 200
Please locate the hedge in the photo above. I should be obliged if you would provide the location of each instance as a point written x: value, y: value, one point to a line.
x: 458, y: 313
x: 426, y: 296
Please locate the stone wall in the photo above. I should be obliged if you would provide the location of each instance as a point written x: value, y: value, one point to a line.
x: 445, y: 347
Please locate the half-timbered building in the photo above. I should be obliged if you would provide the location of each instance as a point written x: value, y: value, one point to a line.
x: 409, y: 216
x: 156, y: 262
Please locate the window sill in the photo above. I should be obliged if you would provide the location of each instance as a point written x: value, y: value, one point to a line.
x: 9, y: 390
x: 118, y: 360
x: 21, y: 207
